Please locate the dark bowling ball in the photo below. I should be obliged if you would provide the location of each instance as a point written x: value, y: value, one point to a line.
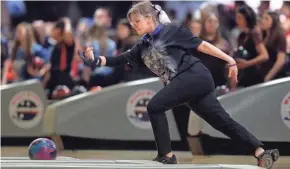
x: 60, y: 92
x: 78, y: 90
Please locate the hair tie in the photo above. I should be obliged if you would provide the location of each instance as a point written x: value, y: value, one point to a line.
x: 162, y: 16
x: 157, y: 8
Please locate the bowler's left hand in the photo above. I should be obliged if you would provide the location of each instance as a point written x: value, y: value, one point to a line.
x: 233, y: 72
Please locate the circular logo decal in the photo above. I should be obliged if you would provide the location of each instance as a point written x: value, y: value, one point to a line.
x: 285, y: 110
x: 26, y: 109
x: 137, y: 108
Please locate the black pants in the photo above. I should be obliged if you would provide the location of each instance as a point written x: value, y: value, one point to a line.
x: 194, y: 88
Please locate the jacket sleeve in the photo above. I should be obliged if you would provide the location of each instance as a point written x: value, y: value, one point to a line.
x: 186, y: 39
x: 131, y: 57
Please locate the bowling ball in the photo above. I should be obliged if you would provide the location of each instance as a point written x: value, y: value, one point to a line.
x: 11, y: 74
x: 42, y: 149
x: 96, y: 89
x: 60, y: 92
x: 78, y: 90
x: 38, y: 62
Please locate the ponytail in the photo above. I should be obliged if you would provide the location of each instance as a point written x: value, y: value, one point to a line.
x: 162, y: 16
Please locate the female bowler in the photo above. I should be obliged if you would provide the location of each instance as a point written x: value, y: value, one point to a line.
x: 164, y: 49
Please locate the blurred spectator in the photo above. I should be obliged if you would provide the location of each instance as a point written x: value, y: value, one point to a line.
x: 103, y: 46
x: 227, y: 23
x: 17, y: 11
x: 229, y: 18
x: 82, y: 28
x: 182, y: 8
x: 48, y: 37
x: 239, y: 4
x: 288, y: 43
x: 26, y: 48
x: 126, y: 39
x: 275, y: 41
x: 208, y: 7
x: 48, y: 40
x: 172, y: 15
x: 5, y: 20
x: 4, y: 52
x: 188, y: 18
x: 264, y: 6
x: 103, y: 17
x: 210, y: 33
x: 285, y: 9
x: 62, y: 56
x: 4, y: 49
x: 39, y: 31
x: 251, y: 51
x: 226, y: 13
x: 195, y: 27
x: 125, y: 36
x: 285, y: 18
x: 81, y: 31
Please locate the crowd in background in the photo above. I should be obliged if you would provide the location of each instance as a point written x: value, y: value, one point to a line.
x: 259, y: 40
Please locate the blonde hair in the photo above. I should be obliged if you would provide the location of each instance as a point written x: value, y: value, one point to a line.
x: 147, y: 9
x: 98, y: 32
x: 204, y: 32
x: 29, y: 39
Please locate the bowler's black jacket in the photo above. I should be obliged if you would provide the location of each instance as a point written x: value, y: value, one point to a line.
x: 165, y: 52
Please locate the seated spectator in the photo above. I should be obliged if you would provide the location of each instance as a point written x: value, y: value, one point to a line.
x: 4, y: 53
x: 125, y: 36
x: 103, y: 45
x: 48, y: 40
x: 126, y: 39
x: 251, y: 50
x: 103, y: 16
x: 25, y: 48
x: 4, y: 50
x: 39, y: 31
x: 210, y: 33
x: 82, y: 28
x: 61, y: 57
x: 275, y: 40
x: 195, y: 27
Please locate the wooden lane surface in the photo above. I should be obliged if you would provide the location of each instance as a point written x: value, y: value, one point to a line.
x: 183, y: 157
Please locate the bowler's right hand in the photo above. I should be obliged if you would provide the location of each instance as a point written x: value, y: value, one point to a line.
x: 88, y: 56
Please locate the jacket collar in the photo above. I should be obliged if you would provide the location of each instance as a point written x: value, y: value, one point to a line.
x: 155, y: 33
